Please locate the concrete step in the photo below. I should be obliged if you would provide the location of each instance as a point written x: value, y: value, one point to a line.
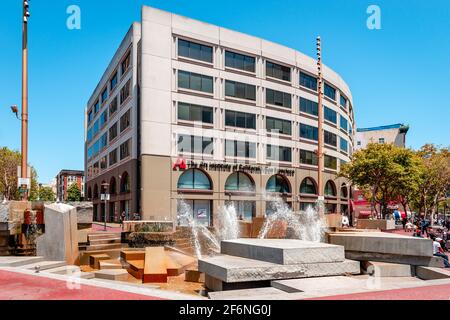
x: 18, y: 261
x: 384, y: 269
x: 428, y: 273
x: 44, y: 265
x: 65, y: 270
x: 104, y: 241
x: 247, y: 294
x: 104, y: 246
x: 97, y: 236
x: 113, y: 253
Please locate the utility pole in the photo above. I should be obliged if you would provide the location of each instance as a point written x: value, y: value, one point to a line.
x: 320, y: 154
x: 24, y: 167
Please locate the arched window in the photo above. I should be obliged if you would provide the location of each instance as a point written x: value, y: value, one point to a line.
x: 330, y: 189
x: 344, y: 191
x: 308, y: 186
x: 125, y: 183
x: 103, y: 187
x: 278, y: 184
x: 89, y: 195
x: 95, y: 191
x: 240, y: 181
x: 112, y: 185
x: 194, y: 179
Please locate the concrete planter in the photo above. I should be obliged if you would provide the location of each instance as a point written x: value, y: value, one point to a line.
x: 380, y: 224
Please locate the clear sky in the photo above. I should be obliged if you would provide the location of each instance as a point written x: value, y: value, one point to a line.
x: 398, y: 74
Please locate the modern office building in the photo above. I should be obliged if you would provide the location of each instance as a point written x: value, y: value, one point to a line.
x: 192, y: 113
x: 65, y: 179
x: 394, y: 134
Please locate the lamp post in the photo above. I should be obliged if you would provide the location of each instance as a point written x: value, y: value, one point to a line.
x: 24, y: 167
x: 105, y: 196
x: 320, y: 155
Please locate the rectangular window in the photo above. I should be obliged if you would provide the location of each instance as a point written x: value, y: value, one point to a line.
x: 126, y: 63
x: 330, y: 138
x: 308, y: 132
x: 113, y: 81
x: 330, y: 162
x: 309, y: 106
x: 343, y: 123
x: 90, y: 116
x: 191, y: 112
x: 240, y: 149
x: 240, y: 119
x: 113, y: 157
x: 113, y: 106
x: 89, y: 135
x: 330, y: 92
x: 278, y: 71
x: 105, y: 95
x: 239, y: 61
x: 96, y: 107
x: 240, y: 90
x: 277, y: 153
x: 103, y: 118
x: 330, y: 115
x: 279, y: 126
x: 125, y: 120
x: 125, y: 149
x: 195, y: 144
x: 308, y: 81
x: 125, y: 92
x: 113, y: 132
x: 104, y: 141
x: 308, y: 157
x: 344, y: 145
x: 195, y: 81
x: 343, y: 102
x: 103, y: 163
x: 96, y: 127
x: 195, y: 51
x: 381, y: 140
x: 278, y: 98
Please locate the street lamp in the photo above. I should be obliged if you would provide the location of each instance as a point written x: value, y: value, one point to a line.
x: 105, y: 197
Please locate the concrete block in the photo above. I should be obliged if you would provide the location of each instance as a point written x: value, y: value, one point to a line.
x: 283, y: 251
x: 136, y: 268
x: 176, y: 263
x: 44, y: 265
x: 231, y: 269
x: 110, y: 264
x: 395, y: 258
x: 66, y: 270
x: 385, y: 243
x: 155, y: 269
x: 316, y: 284
x: 96, y: 258
x: 112, y: 274
x: 428, y: 273
x: 60, y: 241
x: 18, y: 261
x: 132, y: 255
x: 384, y: 269
x: 192, y: 275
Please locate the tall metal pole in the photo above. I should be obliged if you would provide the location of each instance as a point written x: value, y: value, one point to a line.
x: 320, y: 155
x: 24, y: 168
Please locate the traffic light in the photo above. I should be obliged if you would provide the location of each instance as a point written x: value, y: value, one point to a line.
x: 26, y: 12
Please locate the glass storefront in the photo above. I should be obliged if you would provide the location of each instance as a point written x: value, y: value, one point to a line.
x: 245, y: 210
x: 200, y: 210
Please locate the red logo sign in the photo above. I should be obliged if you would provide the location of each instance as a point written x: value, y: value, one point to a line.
x: 180, y: 164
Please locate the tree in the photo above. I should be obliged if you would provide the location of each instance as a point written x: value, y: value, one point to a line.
x: 435, y: 181
x: 9, y: 161
x: 73, y: 193
x: 46, y: 194
x: 385, y: 173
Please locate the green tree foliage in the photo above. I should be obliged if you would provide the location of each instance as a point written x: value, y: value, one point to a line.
x: 73, y: 193
x: 46, y: 194
x: 9, y: 161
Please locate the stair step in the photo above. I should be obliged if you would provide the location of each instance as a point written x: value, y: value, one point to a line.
x: 95, y: 247
x: 105, y: 241
x: 65, y: 270
x: 18, y: 261
x: 94, y: 236
x: 45, y: 265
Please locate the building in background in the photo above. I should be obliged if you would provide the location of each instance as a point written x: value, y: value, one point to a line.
x: 65, y: 179
x: 52, y: 185
x: 394, y: 134
x: 192, y: 116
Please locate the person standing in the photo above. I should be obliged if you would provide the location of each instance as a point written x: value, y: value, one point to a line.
x: 122, y: 218
x: 404, y: 221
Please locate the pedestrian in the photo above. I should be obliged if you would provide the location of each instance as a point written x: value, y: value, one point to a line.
x: 345, y: 222
x: 122, y: 218
x: 438, y: 252
x: 404, y: 221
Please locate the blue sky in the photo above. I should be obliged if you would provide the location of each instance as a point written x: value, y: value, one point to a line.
x: 396, y: 74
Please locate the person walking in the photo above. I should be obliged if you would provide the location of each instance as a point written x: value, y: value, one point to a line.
x: 404, y: 221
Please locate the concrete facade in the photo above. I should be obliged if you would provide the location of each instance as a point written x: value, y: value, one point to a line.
x: 394, y: 134
x: 160, y: 133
